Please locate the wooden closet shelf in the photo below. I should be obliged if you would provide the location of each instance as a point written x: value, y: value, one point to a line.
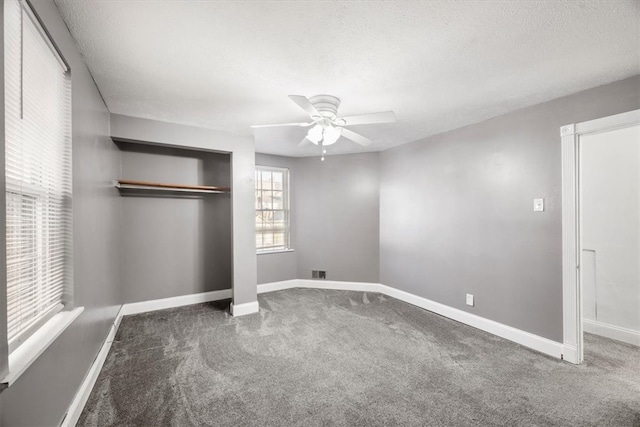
x: 129, y: 184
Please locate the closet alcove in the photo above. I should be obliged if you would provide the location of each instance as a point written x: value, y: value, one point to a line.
x: 177, y: 229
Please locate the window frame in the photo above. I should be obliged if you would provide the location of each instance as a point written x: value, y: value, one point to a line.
x: 37, y: 194
x: 17, y: 355
x: 286, y: 208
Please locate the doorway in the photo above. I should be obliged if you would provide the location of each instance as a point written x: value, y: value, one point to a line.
x: 601, y: 231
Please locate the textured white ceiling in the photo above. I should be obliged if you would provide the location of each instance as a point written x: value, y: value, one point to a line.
x: 438, y: 64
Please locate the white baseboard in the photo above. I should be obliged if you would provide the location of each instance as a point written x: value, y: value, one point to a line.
x: 277, y: 286
x: 244, y: 309
x: 319, y: 284
x: 77, y: 405
x: 535, y: 342
x: 526, y: 339
x: 161, y: 304
x: 570, y: 354
x: 346, y: 286
x: 611, y: 331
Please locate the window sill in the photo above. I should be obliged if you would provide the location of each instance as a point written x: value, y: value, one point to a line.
x: 24, y: 356
x: 278, y: 251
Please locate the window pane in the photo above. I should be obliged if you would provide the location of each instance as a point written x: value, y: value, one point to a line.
x: 266, y: 180
x: 267, y: 200
x: 258, y: 200
x: 38, y: 174
x: 258, y: 221
x: 279, y: 226
x: 272, y: 226
x: 277, y: 200
x: 278, y: 239
x: 277, y: 180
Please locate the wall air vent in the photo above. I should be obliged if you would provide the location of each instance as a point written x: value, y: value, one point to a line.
x: 318, y: 274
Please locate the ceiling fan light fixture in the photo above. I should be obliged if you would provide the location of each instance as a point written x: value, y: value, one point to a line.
x: 331, y: 135
x: 315, y: 134
x: 326, y: 128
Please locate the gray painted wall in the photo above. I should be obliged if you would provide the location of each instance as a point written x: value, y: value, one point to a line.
x: 334, y: 219
x: 455, y: 217
x: 337, y: 215
x: 175, y: 246
x: 456, y: 211
x: 243, y: 248
x: 41, y: 396
x: 275, y: 267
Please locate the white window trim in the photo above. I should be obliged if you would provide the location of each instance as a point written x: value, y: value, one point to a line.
x: 24, y: 335
x: 275, y: 251
x: 287, y: 209
x: 26, y: 189
x: 24, y: 356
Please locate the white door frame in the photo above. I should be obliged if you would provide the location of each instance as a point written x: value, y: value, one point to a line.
x: 570, y: 134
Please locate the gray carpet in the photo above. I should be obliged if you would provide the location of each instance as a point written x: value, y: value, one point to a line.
x: 324, y: 358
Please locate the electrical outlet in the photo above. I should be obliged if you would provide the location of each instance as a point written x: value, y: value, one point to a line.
x: 470, y: 299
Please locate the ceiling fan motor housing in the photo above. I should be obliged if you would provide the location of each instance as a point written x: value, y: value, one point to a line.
x: 327, y: 105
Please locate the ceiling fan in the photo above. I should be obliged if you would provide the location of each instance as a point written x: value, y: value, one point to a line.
x: 326, y: 126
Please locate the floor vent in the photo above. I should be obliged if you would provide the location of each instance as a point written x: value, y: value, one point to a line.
x: 318, y: 274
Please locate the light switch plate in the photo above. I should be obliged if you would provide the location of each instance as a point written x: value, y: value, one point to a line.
x: 470, y: 299
x: 538, y: 205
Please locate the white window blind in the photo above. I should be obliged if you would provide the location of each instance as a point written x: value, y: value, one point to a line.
x: 272, y: 208
x: 38, y: 174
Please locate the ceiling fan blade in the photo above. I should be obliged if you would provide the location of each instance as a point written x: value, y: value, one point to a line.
x: 304, y: 142
x: 364, y: 119
x: 281, y: 124
x: 306, y: 105
x: 356, y: 137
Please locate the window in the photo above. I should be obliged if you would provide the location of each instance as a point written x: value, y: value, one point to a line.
x: 272, y: 209
x: 38, y: 175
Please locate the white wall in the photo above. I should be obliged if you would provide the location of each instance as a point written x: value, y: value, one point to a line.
x: 611, y: 227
